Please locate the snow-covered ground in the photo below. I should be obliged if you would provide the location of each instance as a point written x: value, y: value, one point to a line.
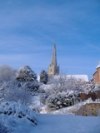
x: 19, y: 119
x: 67, y: 124
x: 56, y: 124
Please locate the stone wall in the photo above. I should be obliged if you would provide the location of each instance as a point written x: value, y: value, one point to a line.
x: 91, y: 109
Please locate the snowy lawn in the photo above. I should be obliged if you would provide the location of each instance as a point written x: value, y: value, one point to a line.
x: 53, y: 124
x: 67, y: 124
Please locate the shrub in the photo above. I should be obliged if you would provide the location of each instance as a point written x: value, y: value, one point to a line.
x: 60, y: 100
x: 26, y: 74
x: 44, y: 77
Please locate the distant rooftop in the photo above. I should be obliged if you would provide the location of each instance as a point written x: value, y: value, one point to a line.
x: 77, y: 77
x: 98, y: 65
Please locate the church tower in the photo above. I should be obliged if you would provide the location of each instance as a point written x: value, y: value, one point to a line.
x: 53, y: 67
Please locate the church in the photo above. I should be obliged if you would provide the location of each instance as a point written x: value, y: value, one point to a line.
x: 54, y: 70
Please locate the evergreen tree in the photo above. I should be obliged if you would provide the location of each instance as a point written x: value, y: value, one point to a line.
x: 43, y: 77
x: 26, y: 74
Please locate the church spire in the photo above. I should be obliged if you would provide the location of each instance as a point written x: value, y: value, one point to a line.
x: 54, y: 58
x: 53, y: 68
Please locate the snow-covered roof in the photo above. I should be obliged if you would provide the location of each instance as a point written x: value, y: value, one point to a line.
x: 77, y: 77
x: 98, y: 65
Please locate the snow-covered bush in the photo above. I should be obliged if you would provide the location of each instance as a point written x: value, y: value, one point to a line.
x: 26, y: 74
x: 19, y: 94
x: 69, y: 84
x: 20, y: 88
x: 16, y: 118
x: 61, y: 85
x: 17, y: 110
x: 3, y: 128
x: 63, y: 92
x: 27, y: 78
x: 15, y: 91
x: 60, y: 100
x: 64, y: 84
x: 6, y: 73
x: 33, y: 86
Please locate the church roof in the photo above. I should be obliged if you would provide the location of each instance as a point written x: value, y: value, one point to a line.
x: 77, y: 77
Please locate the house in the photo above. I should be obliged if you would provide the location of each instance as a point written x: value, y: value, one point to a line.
x: 96, y: 76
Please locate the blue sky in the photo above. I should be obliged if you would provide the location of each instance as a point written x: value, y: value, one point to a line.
x: 28, y: 29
